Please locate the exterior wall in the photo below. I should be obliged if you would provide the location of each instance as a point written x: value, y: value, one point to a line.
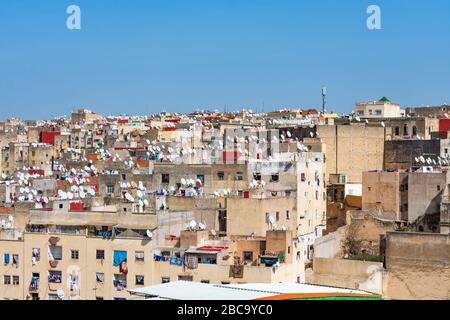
x: 352, y: 274
x: 246, y: 216
x: 352, y: 149
x: 387, y: 191
x: 417, y: 266
x: 86, y: 266
x: 400, y: 155
x: 425, y: 193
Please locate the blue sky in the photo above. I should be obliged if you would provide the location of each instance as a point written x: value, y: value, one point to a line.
x: 140, y: 57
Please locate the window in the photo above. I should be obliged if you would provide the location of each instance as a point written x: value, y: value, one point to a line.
x: 55, y: 252
x: 110, y: 188
x: 248, y: 256
x: 35, y: 296
x: 360, y: 112
x: 139, y: 280
x: 257, y: 176
x: 288, y: 217
x: 139, y: 255
x: 100, y: 277
x: 414, y: 131
x: 221, y: 175
x: 99, y: 298
x: 438, y: 188
x: 201, y: 177
x: 397, y: 131
x: 54, y: 276
x: 74, y: 254
x: 165, y: 280
x: 239, y: 176
x: 16, y: 280
x: 275, y: 178
x: 405, y: 130
x: 378, y: 112
x: 267, y: 217
x: 6, y: 280
x: 61, y: 206
x: 204, y: 281
x: 165, y: 178
x: 100, y: 255
x: 277, y: 216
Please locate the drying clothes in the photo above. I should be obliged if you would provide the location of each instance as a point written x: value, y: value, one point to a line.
x: 120, y: 284
x: 73, y: 282
x: 36, y: 253
x: 16, y: 260
x: 160, y: 258
x: 54, y: 278
x: 119, y: 257
x: 123, y: 268
x: 176, y: 261
x: 191, y: 261
x: 34, y: 285
x: 6, y: 258
x: 237, y: 271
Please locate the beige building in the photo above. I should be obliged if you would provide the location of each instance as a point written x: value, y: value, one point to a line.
x: 379, y: 109
x: 352, y: 149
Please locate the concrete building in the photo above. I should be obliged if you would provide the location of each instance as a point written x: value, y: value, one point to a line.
x: 382, y: 108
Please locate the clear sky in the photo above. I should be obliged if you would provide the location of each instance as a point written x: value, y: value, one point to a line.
x: 140, y: 57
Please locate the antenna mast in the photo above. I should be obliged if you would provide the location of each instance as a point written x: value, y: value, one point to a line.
x: 324, y: 96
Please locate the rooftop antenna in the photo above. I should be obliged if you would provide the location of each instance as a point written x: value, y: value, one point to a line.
x: 324, y: 101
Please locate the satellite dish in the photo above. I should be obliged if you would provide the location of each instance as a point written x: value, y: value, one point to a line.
x: 11, y: 218
x: 192, y: 224
x: 213, y: 233
x: 271, y: 220
x: 202, y: 226
x: 183, y: 181
x: 149, y: 234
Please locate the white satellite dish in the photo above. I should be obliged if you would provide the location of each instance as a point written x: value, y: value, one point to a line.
x: 271, y: 220
x: 213, y: 233
x: 11, y: 218
x: 192, y: 224
x: 202, y: 226
x: 149, y: 234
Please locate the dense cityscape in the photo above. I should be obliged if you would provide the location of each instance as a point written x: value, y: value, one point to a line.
x: 288, y: 204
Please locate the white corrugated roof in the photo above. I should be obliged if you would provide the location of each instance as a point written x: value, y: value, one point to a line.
x: 187, y: 290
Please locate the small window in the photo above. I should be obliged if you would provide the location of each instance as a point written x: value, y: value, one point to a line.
x: 100, y: 277
x: 6, y: 280
x: 201, y: 177
x: 239, y: 176
x: 110, y: 188
x: 221, y: 175
x: 204, y: 281
x: 54, y: 276
x: 438, y: 188
x: 61, y: 206
x: 74, y: 254
x: 100, y: 254
x: 139, y: 256
x: 275, y: 178
x: 277, y: 216
x: 139, y: 280
x: 248, y: 256
x: 165, y: 280
x: 165, y: 178
x: 55, y: 252
x: 288, y: 216
x: 16, y: 280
